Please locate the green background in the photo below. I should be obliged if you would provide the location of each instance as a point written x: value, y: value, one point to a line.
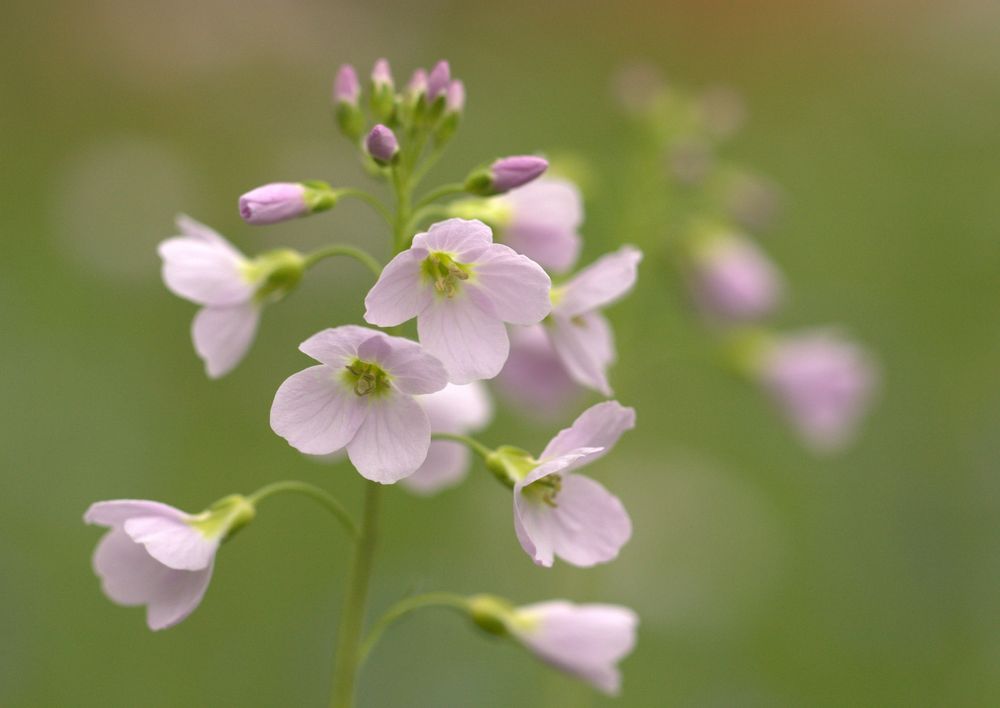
x: 763, y: 575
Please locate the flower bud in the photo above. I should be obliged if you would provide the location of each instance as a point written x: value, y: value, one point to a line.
x: 279, y: 272
x: 281, y: 201
x: 731, y: 279
x: 506, y: 174
x: 438, y: 81
x: 382, y: 145
x: 383, y: 94
x: 346, y: 94
x: 417, y: 85
x: 491, y: 613
x: 454, y: 103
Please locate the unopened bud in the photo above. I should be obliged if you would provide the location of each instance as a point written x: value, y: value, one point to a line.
x: 506, y: 174
x: 281, y: 201
x: 438, y: 80
x: 383, y: 95
x: 346, y: 95
x: 382, y: 145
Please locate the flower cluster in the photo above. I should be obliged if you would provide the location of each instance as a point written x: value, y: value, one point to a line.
x: 475, y: 273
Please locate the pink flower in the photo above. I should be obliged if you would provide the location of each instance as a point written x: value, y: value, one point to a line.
x: 201, y: 266
x: 557, y: 513
x: 438, y: 80
x: 585, y: 641
x: 360, y: 397
x: 732, y: 279
x: 544, y: 222
x: 580, y: 335
x: 534, y: 377
x: 159, y: 556
x: 461, y: 287
x: 453, y: 409
x: 823, y: 383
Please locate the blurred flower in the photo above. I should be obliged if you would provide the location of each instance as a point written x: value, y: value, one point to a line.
x: 690, y: 160
x: 417, y: 85
x: 346, y: 87
x: 752, y: 201
x: 823, y: 383
x: 455, y: 97
x: 361, y: 398
x: 201, y: 266
x: 732, y: 279
x: 382, y: 75
x: 543, y: 221
x: 636, y: 87
x: 382, y: 145
x: 461, y: 287
x: 585, y: 641
x: 346, y: 99
x: 580, y: 335
x: 557, y: 513
x: 438, y: 80
x: 383, y: 91
x: 534, y: 377
x: 453, y: 409
x: 159, y: 556
x: 723, y: 111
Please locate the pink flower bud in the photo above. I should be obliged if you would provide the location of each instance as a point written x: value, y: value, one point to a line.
x: 508, y: 173
x: 346, y: 88
x: 278, y: 201
x: 454, y: 100
x: 731, y: 279
x: 437, y: 82
x: 417, y: 84
x: 382, y: 74
x: 382, y: 144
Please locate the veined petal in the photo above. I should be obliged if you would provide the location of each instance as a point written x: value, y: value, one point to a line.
x: 206, y: 273
x: 545, y: 216
x: 466, y: 239
x: 446, y: 465
x: 458, y: 409
x: 585, y: 346
x: 412, y: 368
x: 471, y: 344
x: 316, y: 412
x: 336, y: 345
x: 600, y: 425
x: 399, y: 294
x: 516, y: 286
x: 392, y: 441
x: 223, y: 335
x: 601, y: 283
x: 566, y: 462
x: 173, y: 542
x: 118, y: 511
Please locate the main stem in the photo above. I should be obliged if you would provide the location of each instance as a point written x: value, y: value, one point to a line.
x: 352, y: 619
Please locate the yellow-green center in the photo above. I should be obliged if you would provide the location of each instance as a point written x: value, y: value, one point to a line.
x: 445, y: 272
x: 366, y: 378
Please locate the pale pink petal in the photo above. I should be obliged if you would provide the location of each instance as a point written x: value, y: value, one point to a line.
x: 586, y: 641
x: 173, y: 542
x: 600, y: 425
x: 400, y: 293
x: 471, y: 344
x: 458, y: 409
x: 585, y: 346
x: 516, y: 286
x: 223, y: 335
x: 567, y: 462
x: 338, y: 345
x: 117, y: 512
x: 587, y: 525
x: 204, y: 273
x: 534, y: 377
x: 316, y: 412
x: 197, y: 230
x: 601, y: 283
x: 446, y: 465
x: 545, y: 217
x: 467, y: 240
x: 176, y: 597
x: 412, y: 369
x: 393, y: 440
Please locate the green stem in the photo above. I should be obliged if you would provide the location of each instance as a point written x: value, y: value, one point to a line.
x: 340, y: 249
x: 369, y: 199
x: 445, y: 190
x: 402, y: 219
x: 431, y: 210
x: 405, y: 607
x: 471, y: 443
x: 313, y: 492
x: 421, y: 171
x: 352, y: 618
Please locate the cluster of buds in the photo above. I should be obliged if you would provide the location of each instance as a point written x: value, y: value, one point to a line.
x: 822, y: 382
x: 476, y: 275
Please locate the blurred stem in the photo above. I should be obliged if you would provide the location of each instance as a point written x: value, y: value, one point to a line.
x: 405, y: 607
x: 339, y: 249
x: 427, y: 164
x: 445, y: 190
x: 352, y: 618
x: 431, y: 210
x: 313, y: 492
x: 471, y: 443
x: 369, y: 199
x: 401, y: 184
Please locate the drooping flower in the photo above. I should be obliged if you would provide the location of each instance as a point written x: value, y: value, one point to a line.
x: 822, y: 382
x: 534, y: 378
x: 360, y: 397
x: 159, y: 556
x: 382, y: 144
x: 585, y: 641
x: 542, y: 221
x: 579, y: 332
x: 731, y: 279
x: 558, y: 513
x: 453, y: 409
x: 461, y: 287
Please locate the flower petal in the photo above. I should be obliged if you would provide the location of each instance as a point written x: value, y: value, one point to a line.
x: 446, y: 465
x: 223, y: 335
x: 336, y: 345
x: 466, y: 239
x: 515, y: 285
x: 393, y: 440
x: 458, y: 409
x: 205, y: 273
x: 399, y: 294
x: 197, y: 230
x: 600, y: 425
x: 585, y: 345
x: 118, y: 511
x: 173, y: 542
x: 534, y: 377
x: 545, y: 216
x: 606, y: 280
x: 412, y: 368
x: 471, y: 344
x: 316, y: 412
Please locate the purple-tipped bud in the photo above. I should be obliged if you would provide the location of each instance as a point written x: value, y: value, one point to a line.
x: 382, y: 75
x: 346, y: 88
x: 454, y: 98
x: 512, y: 172
x: 417, y: 84
x: 280, y: 201
x: 382, y: 144
x: 437, y: 82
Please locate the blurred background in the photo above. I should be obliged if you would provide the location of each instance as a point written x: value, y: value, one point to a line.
x: 764, y: 576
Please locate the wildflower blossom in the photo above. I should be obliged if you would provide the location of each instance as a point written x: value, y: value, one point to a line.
x: 732, y: 279
x: 534, y: 377
x: 461, y: 287
x: 542, y: 221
